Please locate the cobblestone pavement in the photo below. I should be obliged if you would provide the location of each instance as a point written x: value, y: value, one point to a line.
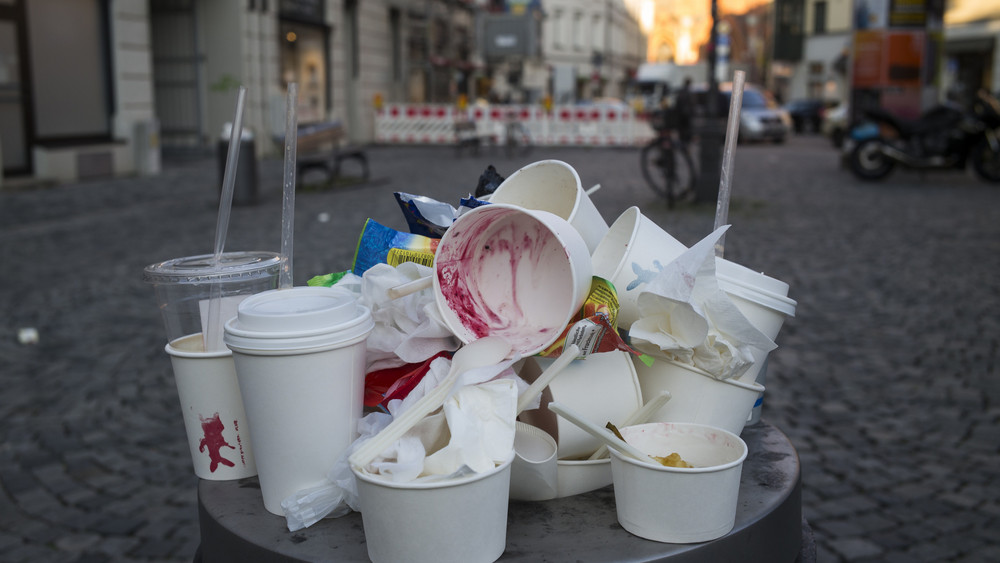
x: 886, y: 380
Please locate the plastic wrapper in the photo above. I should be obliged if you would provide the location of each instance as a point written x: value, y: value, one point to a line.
x: 489, y: 181
x: 429, y: 217
x: 379, y: 244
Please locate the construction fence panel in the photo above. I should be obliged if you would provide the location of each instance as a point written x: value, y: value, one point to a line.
x: 566, y: 125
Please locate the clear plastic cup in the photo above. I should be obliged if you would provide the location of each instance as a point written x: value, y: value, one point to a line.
x: 183, y: 288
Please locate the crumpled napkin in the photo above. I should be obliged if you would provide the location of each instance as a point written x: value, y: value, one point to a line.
x: 686, y: 317
x: 408, y: 330
x: 475, y: 431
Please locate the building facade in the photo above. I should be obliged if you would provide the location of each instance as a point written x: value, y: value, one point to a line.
x: 96, y: 88
x: 823, y: 73
x: 592, y: 47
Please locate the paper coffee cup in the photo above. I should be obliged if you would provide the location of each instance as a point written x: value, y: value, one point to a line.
x: 764, y: 301
x: 300, y: 362
x: 214, y: 419
x: 554, y: 186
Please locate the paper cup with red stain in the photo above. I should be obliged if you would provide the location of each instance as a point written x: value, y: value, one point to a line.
x: 214, y: 418
x: 520, y: 274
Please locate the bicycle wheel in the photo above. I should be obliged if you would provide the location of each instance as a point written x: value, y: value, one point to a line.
x: 657, y: 161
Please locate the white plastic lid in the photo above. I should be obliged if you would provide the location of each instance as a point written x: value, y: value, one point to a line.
x: 298, y: 318
x: 753, y: 286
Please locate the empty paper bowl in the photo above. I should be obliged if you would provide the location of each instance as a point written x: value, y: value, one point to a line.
x: 520, y: 274
x: 697, y: 396
x: 672, y: 504
x: 582, y: 476
x: 462, y: 519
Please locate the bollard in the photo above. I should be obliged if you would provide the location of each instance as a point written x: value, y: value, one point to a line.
x: 712, y: 134
x: 245, y: 188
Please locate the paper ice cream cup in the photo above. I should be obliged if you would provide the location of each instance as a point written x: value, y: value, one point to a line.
x: 214, y: 419
x: 300, y: 362
x: 520, y: 274
x: 533, y: 474
x: 679, y: 505
x: 697, y: 397
x: 462, y: 519
x: 601, y: 387
x: 582, y: 476
x: 554, y: 186
x: 633, y: 251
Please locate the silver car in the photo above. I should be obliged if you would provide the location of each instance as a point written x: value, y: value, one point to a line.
x: 761, y: 119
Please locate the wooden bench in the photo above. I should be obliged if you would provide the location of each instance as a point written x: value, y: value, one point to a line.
x: 467, y: 136
x: 321, y: 146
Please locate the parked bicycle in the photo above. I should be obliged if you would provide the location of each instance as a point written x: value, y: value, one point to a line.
x: 666, y: 162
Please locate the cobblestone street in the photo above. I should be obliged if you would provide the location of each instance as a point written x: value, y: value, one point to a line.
x: 887, y: 380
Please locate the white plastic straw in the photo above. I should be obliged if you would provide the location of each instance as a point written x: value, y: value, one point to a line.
x: 288, y: 202
x: 213, y: 333
x: 726, y: 181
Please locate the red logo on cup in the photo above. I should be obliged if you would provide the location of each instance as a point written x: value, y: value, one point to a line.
x: 213, y: 441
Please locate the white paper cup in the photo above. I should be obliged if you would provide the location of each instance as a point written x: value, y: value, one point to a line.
x: 764, y: 301
x: 602, y: 387
x: 697, y: 396
x: 214, y: 418
x: 300, y: 362
x: 533, y: 474
x: 459, y: 520
x: 679, y: 505
x: 632, y: 252
x: 554, y: 186
x: 582, y: 476
x: 521, y: 274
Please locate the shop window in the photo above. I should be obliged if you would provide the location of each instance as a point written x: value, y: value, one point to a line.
x: 69, y: 68
x: 303, y: 60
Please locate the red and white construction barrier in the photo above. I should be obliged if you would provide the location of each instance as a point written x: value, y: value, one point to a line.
x: 563, y: 126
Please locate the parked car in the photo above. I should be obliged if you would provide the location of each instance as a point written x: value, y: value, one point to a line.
x: 835, y: 124
x: 807, y: 114
x: 761, y: 118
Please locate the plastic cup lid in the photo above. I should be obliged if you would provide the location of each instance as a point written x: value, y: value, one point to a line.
x: 232, y: 267
x: 296, y: 318
x: 754, y: 286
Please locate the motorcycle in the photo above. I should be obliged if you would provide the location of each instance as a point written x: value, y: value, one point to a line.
x: 946, y: 137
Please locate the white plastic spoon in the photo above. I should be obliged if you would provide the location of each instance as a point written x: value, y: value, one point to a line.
x: 600, y: 433
x: 535, y: 389
x: 486, y: 351
x: 404, y: 289
x: 640, y: 416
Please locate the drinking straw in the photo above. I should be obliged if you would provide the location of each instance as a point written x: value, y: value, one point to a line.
x: 726, y: 181
x: 212, y: 334
x: 288, y: 203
